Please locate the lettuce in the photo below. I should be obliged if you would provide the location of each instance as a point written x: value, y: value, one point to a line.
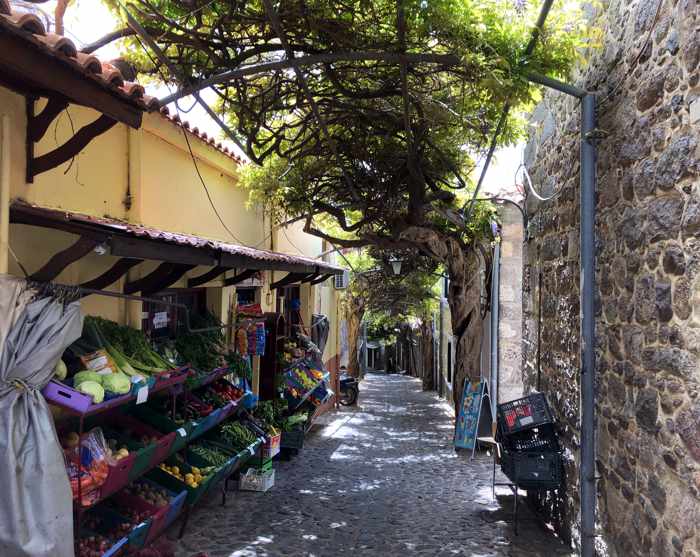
x: 93, y: 389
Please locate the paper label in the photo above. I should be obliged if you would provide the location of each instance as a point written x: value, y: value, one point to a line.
x: 526, y: 420
x: 182, y: 432
x: 160, y: 320
x: 142, y: 395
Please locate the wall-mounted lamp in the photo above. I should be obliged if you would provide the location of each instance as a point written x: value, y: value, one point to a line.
x: 100, y: 249
x: 396, y: 266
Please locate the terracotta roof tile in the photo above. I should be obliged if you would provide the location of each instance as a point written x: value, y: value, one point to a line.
x: 123, y: 227
x: 31, y: 28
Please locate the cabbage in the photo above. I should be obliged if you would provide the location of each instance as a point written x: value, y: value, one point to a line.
x: 93, y: 389
x: 116, y: 383
x: 86, y: 375
x: 60, y: 371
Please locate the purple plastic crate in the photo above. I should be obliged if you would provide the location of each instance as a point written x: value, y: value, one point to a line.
x: 67, y: 397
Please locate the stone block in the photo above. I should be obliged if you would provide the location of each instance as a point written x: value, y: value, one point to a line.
x: 695, y: 111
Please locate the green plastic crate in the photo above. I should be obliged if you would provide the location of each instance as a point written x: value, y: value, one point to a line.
x: 194, y: 494
x: 165, y: 425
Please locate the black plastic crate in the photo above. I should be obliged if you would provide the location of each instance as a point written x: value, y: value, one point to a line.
x: 540, y: 438
x: 292, y: 439
x: 524, y: 413
x: 533, y: 470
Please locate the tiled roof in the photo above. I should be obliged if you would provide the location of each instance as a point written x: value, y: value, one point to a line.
x: 30, y: 28
x: 194, y: 130
x: 118, y: 226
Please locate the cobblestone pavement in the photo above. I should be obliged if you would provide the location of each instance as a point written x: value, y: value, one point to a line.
x: 379, y: 479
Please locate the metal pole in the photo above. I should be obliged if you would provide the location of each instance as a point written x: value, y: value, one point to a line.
x: 495, y: 303
x: 587, y: 293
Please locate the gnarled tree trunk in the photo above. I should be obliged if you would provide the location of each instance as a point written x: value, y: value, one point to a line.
x: 464, y: 298
x: 354, y: 311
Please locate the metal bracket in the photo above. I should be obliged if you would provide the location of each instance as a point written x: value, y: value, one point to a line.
x: 596, y: 134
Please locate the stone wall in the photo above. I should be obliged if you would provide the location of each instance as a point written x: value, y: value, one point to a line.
x: 510, y: 307
x: 648, y: 279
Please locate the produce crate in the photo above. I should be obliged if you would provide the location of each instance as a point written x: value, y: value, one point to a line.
x: 271, y: 447
x: 118, y: 476
x: 255, y: 480
x: 524, y: 413
x: 263, y: 465
x: 292, y: 439
x: 533, y: 470
x: 67, y: 397
x: 541, y: 438
x: 104, y: 522
x: 170, y: 377
x: 163, y: 478
x: 165, y: 425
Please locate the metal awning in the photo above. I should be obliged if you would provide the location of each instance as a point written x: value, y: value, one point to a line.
x: 135, y: 243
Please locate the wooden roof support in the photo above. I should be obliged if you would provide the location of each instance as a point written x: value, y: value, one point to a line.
x: 112, y: 275
x: 206, y: 277
x: 240, y: 277
x: 289, y: 279
x: 47, y: 161
x: 163, y: 276
x: 59, y: 261
x: 312, y: 277
x: 322, y: 278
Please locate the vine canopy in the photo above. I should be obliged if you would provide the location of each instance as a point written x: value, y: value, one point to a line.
x: 368, y: 113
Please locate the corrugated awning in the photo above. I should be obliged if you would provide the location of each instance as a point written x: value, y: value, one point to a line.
x: 136, y: 241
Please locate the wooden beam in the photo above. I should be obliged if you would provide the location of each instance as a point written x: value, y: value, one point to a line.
x: 63, y: 258
x: 158, y: 279
x: 321, y: 279
x: 30, y: 70
x: 141, y: 248
x: 289, y: 279
x: 171, y: 278
x: 206, y: 277
x: 240, y: 277
x: 312, y: 277
x: 112, y: 275
x: 37, y: 125
x: 70, y: 148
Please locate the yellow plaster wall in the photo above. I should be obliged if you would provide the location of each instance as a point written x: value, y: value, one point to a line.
x: 95, y: 182
x: 173, y: 197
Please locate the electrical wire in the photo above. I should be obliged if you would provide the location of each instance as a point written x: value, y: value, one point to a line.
x: 531, y: 187
x: 192, y: 156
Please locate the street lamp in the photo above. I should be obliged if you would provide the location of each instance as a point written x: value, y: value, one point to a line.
x: 395, y: 265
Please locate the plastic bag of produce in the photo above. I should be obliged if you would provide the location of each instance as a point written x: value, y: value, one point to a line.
x: 88, y: 464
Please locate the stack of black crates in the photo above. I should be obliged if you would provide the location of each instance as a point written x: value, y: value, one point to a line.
x: 530, y: 454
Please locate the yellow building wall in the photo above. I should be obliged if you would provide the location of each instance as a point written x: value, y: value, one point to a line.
x: 147, y: 176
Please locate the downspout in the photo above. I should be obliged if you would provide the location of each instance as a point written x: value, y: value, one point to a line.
x: 587, y: 288
x: 4, y: 192
x: 587, y: 348
x: 495, y: 318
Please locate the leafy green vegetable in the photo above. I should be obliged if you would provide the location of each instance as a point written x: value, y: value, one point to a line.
x: 94, y: 389
x: 202, y: 350
x: 86, y: 375
x: 116, y: 383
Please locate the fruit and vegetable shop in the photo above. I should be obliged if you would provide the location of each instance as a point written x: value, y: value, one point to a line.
x: 156, y: 349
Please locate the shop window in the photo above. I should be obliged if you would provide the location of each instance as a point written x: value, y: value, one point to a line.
x: 159, y: 321
x: 245, y: 296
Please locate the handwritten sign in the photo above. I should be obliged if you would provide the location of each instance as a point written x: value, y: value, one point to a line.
x: 467, y: 426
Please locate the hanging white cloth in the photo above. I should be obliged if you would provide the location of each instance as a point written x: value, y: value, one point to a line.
x: 36, y: 516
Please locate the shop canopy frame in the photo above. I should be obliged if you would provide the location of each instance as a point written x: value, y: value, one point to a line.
x: 178, y: 253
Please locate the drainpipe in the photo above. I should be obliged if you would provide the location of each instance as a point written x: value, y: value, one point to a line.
x: 587, y: 288
x: 587, y: 293
x: 4, y: 192
x: 495, y: 317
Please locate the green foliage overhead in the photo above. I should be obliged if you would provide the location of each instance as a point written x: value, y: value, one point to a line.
x: 377, y: 139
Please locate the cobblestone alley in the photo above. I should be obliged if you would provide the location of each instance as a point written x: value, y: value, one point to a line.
x: 381, y: 479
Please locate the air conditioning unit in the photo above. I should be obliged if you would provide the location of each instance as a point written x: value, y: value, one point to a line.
x: 341, y: 280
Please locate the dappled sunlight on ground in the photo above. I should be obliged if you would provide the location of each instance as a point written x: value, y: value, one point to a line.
x: 378, y: 479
